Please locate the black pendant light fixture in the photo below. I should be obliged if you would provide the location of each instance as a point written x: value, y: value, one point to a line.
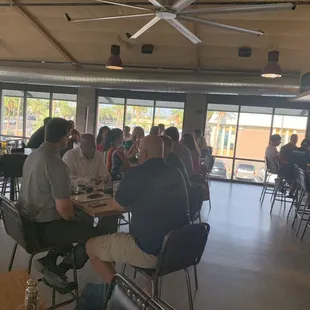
x: 272, y: 70
x: 115, y: 62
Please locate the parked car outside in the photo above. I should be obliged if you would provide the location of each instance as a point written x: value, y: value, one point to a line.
x: 219, y: 170
x: 245, y: 172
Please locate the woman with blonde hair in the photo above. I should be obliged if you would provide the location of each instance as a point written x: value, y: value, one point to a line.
x: 131, y: 146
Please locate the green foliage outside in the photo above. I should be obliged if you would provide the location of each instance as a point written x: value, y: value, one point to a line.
x: 37, y: 110
x: 113, y: 115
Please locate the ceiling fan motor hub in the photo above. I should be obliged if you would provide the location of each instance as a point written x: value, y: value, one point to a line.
x: 166, y: 15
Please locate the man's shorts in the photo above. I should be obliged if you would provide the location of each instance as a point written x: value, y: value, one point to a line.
x: 122, y: 248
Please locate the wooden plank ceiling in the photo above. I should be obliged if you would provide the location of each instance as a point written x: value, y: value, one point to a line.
x: 90, y: 42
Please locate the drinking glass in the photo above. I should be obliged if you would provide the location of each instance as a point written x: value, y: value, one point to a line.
x: 74, y: 181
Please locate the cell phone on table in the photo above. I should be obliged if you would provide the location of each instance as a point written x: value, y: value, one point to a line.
x: 94, y: 196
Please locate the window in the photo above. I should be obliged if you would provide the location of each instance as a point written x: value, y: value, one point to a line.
x: 64, y: 105
x: 169, y: 113
x: 37, y: 109
x: 139, y: 113
x: 110, y: 112
x: 12, y: 113
x: 287, y: 122
x: 253, y: 132
x: 221, y: 124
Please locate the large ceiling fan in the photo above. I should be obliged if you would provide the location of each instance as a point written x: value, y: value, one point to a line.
x: 173, y: 14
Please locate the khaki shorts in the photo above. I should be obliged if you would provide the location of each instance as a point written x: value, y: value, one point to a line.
x: 122, y: 248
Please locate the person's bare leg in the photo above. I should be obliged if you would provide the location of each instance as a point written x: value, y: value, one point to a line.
x: 105, y: 270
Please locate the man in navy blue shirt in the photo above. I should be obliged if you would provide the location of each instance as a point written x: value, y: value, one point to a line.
x: 157, y: 196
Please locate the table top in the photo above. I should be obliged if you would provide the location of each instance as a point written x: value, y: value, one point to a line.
x: 12, y: 290
x: 102, y: 206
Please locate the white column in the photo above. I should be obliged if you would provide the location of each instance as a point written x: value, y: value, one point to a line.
x: 195, y: 112
x: 86, y: 100
x: 228, y: 142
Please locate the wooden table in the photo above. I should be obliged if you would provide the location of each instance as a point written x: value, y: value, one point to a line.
x: 12, y: 290
x: 80, y: 201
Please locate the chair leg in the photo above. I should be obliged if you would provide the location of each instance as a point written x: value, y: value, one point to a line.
x: 306, y: 226
x: 298, y: 204
x: 160, y: 283
x: 123, y: 268
x: 301, y: 219
x: 30, y: 263
x: 155, y: 289
x: 53, y: 297
x: 189, y: 290
x: 210, y: 202
x: 196, y: 277
x: 75, y: 279
x: 274, y: 199
x: 12, y: 256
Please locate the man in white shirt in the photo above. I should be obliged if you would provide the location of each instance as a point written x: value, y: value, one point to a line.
x: 86, y: 161
x: 272, y: 154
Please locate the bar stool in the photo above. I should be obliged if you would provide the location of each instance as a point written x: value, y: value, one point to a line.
x: 11, y: 166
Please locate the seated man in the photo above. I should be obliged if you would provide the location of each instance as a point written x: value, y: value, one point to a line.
x: 272, y: 154
x: 287, y: 149
x: 180, y: 150
x: 86, y: 161
x: 45, y: 200
x: 157, y: 196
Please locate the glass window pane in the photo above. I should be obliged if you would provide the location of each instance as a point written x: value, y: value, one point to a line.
x: 248, y: 109
x: 253, y: 134
x: 64, y: 105
x: 110, y: 112
x: 12, y: 113
x: 170, y: 104
x: 139, y: 113
x: 37, y: 109
x: 222, y: 168
x: 250, y: 171
x: 222, y: 107
x: 220, y: 131
x: 288, y: 122
x: 169, y: 117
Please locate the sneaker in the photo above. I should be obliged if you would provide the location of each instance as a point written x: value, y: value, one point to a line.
x: 61, y: 287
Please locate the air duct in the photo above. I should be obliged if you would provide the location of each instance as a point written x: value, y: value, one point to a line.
x: 204, y: 82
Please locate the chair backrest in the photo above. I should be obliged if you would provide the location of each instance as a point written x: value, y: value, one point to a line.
x: 209, y: 162
x: 11, y: 165
x: 303, y: 180
x: 17, y: 227
x: 182, y: 248
x: 196, y: 194
x: 123, y: 294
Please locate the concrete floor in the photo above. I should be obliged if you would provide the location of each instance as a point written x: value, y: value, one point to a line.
x: 252, y: 261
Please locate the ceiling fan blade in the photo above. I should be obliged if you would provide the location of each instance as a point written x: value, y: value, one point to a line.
x: 125, y: 5
x: 240, y: 9
x: 181, y: 4
x: 181, y: 28
x: 145, y: 27
x: 157, y: 4
x: 223, y: 26
x: 105, y: 18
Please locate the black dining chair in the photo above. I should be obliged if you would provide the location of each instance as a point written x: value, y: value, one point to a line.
x: 181, y: 249
x: 268, y: 187
x: 24, y: 233
x: 302, y: 211
x: 11, y: 166
x: 123, y: 294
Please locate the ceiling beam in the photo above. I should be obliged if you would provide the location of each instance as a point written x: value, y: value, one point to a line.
x: 44, y: 32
